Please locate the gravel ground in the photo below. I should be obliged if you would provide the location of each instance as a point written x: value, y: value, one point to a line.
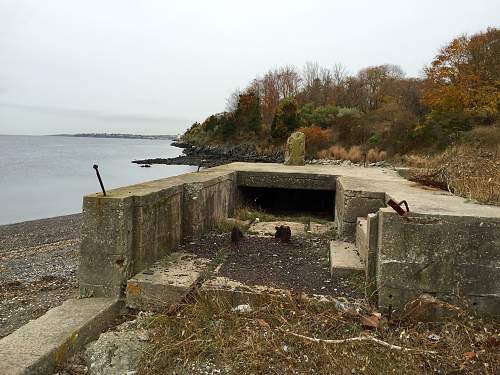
x: 38, y: 264
x: 300, y: 265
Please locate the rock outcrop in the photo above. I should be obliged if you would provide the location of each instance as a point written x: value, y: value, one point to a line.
x: 295, y: 150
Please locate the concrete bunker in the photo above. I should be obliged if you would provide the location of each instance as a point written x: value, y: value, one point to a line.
x: 447, y: 244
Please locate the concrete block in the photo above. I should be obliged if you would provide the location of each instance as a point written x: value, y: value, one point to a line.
x: 362, y: 238
x: 42, y: 344
x: 344, y: 259
x: 454, y: 258
x: 165, y: 283
x: 106, y: 247
x: 351, y: 204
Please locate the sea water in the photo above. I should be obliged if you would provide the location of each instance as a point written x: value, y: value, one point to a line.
x: 45, y: 176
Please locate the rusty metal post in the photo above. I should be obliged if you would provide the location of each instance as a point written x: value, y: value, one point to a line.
x: 96, y: 167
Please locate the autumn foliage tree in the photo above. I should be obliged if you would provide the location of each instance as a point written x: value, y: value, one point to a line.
x: 465, y: 77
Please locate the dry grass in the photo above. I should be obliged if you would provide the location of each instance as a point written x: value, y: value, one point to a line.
x: 338, y: 153
x: 465, y: 170
x: 206, y: 333
x: 355, y: 154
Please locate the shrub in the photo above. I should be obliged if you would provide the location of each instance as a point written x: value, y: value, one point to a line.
x: 355, y: 154
x: 338, y: 152
x: 372, y: 155
x: 316, y: 139
x: 323, y: 154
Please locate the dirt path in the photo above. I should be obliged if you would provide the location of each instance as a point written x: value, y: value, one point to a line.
x: 38, y: 264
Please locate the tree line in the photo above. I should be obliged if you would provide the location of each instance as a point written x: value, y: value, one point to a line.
x: 378, y: 108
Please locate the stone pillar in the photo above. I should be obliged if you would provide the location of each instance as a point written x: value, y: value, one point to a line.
x: 295, y: 149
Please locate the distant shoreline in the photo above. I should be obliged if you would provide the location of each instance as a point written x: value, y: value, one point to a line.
x: 119, y: 135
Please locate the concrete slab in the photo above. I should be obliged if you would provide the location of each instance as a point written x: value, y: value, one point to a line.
x: 42, y: 344
x: 239, y: 293
x: 344, y: 259
x: 167, y: 282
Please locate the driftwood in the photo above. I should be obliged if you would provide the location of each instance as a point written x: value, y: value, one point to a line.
x: 361, y: 338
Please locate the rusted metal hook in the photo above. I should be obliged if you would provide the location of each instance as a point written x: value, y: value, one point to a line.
x: 397, y: 207
x: 96, y: 167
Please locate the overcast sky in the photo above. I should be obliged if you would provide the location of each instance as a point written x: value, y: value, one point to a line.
x: 155, y: 66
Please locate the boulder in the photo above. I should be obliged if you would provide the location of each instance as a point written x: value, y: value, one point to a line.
x: 295, y: 149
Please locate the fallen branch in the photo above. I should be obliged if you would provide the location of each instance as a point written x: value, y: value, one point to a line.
x: 361, y: 338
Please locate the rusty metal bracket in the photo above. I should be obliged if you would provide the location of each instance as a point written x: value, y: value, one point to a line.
x: 96, y: 167
x: 397, y: 207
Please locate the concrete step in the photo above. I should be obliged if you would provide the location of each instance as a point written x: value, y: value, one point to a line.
x: 41, y: 345
x: 344, y: 259
x: 167, y: 282
x: 362, y: 238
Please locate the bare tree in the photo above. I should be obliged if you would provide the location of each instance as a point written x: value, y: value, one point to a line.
x: 288, y: 81
x: 310, y: 73
x: 232, y: 101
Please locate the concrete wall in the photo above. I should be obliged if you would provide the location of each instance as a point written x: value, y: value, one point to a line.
x: 351, y: 204
x: 206, y: 203
x: 454, y: 258
x: 131, y: 228
x: 309, y: 181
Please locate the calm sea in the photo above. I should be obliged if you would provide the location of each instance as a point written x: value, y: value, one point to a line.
x: 42, y: 176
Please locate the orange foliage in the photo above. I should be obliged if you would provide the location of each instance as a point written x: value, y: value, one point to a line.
x: 464, y: 76
x: 316, y: 139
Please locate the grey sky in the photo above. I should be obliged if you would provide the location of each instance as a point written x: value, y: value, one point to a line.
x: 78, y: 66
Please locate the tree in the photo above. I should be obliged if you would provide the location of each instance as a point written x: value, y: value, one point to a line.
x: 465, y: 77
x: 378, y: 82
x: 247, y: 114
x: 285, y: 120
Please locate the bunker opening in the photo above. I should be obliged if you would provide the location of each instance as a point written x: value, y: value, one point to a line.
x: 291, y: 202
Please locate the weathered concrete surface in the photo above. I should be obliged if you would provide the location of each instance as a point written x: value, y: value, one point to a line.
x: 456, y: 259
x: 119, y: 351
x: 350, y: 203
x: 422, y: 199
x: 371, y: 259
x: 237, y: 293
x: 286, y: 180
x: 344, y: 259
x: 362, y: 238
x: 206, y: 203
x: 133, y: 226
x: 126, y: 231
x: 167, y: 282
x: 42, y: 344
x: 295, y: 149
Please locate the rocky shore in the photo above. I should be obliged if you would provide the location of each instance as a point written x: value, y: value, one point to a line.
x: 214, y: 155
x: 38, y: 264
